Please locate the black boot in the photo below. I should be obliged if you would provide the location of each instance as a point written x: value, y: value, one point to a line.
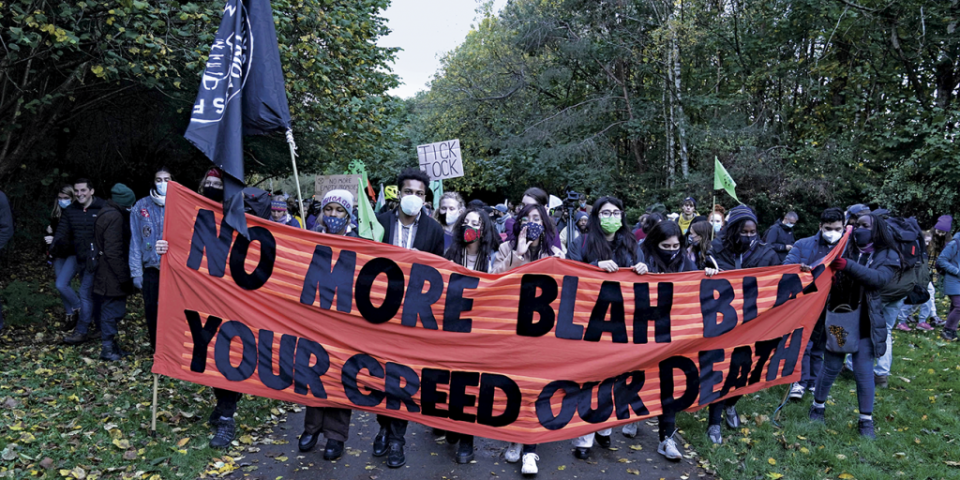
x: 395, y: 458
x: 308, y: 441
x: 214, y: 419
x: 76, y: 338
x: 380, y: 443
x: 465, y: 450
x: 334, y: 449
x: 582, y: 453
x: 71, y: 320
x: 603, y: 441
x: 110, y: 352
x: 453, y: 438
x: 226, y: 430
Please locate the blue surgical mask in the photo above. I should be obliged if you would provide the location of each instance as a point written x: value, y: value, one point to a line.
x: 64, y: 202
x: 717, y: 226
x: 161, y: 188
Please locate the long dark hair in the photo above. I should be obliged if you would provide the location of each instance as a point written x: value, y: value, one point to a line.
x: 731, y: 234
x: 657, y: 234
x: 882, y: 238
x: 621, y: 250
x: 549, y: 231
x: 702, y: 250
x: 457, y: 251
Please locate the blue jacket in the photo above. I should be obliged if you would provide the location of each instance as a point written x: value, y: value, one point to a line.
x: 949, y: 264
x: 146, y: 227
x: 778, y: 237
x: 808, y: 251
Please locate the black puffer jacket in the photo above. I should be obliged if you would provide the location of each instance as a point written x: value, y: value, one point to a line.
x: 762, y: 256
x: 75, y: 232
x: 778, y: 237
x: 112, y: 235
x: 880, y: 270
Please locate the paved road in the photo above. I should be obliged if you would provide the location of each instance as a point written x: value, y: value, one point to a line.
x: 430, y: 459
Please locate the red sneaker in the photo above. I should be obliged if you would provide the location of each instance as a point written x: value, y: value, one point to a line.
x: 924, y: 326
x: 903, y: 327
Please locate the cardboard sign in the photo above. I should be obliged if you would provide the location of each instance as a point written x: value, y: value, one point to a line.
x: 441, y: 160
x: 325, y: 183
x: 551, y: 350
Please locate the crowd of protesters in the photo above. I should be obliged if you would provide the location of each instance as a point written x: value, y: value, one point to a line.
x: 114, y: 247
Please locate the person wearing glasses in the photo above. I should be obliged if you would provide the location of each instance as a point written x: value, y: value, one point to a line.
x: 528, y: 244
x: 473, y: 247
x: 410, y: 227
x: 610, y: 245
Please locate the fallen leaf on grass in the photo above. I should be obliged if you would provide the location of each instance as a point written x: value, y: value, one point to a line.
x: 27, y: 437
x: 841, y: 456
x: 122, y: 444
x: 774, y: 476
x: 771, y: 461
x: 46, y: 463
x: 183, y: 441
x: 905, y: 380
x: 246, y: 439
x: 130, y: 455
x: 899, y: 455
x: 846, y: 476
x: 952, y: 464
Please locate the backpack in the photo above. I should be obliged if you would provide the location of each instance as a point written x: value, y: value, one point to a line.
x: 909, y: 238
x: 256, y: 202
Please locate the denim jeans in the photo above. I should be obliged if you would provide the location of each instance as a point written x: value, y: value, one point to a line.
x: 66, y: 270
x: 890, y: 312
x: 927, y: 310
x: 813, y: 355
x: 862, y: 370
x: 112, y: 310
x: 88, y: 307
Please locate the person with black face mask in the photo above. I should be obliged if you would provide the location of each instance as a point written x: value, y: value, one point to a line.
x: 780, y: 235
x: 869, y: 263
x: 738, y: 247
x: 663, y: 251
x: 212, y: 185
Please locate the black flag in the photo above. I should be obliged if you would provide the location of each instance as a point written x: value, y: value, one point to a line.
x: 241, y: 93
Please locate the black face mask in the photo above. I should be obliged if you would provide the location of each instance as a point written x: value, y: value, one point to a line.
x: 667, y: 256
x: 747, y: 242
x: 215, y: 194
x: 863, y: 237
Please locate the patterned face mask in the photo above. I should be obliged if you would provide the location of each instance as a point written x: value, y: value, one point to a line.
x: 470, y: 234
x: 334, y: 224
x: 534, y: 230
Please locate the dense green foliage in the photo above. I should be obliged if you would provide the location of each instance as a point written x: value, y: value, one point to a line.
x: 808, y: 103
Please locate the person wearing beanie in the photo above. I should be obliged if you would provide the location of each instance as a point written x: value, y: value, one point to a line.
x: 146, y: 231
x: 335, y: 214
x: 112, y: 282
x: 739, y: 246
x: 580, y: 219
x: 280, y: 214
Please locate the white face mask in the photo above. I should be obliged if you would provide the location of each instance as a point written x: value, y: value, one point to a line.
x: 831, y: 237
x: 452, y: 218
x: 717, y: 226
x: 411, y: 205
x: 161, y: 188
x: 64, y: 202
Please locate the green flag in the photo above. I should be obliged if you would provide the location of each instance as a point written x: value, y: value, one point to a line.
x: 723, y: 181
x: 436, y: 186
x: 369, y: 226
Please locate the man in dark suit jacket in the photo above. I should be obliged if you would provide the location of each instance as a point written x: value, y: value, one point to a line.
x: 410, y: 227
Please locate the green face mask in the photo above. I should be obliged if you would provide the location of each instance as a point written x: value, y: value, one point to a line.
x: 610, y: 225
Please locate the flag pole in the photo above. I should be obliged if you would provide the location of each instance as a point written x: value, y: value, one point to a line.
x: 153, y: 421
x: 713, y: 208
x: 296, y: 177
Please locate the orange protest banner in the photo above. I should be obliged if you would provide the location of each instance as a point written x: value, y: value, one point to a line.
x: 552, y: 350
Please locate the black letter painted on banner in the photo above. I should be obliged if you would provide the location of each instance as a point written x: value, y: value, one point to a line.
x: 489, y: 383
x: 201, y: 335
x: 397, y: 394
x: 566, y: 329
x: 571, y: 398
x: 309, y: 375
x: 691, y: 389
x: 530, y: 303
x: 787, y: 355
x: 739, y: 371
x: 750, y: 293
x: 417, y: 302
x: 205, y: 238
x: 288, y: 344
x: 221, y: 353
x: 627, y: 394
x: 610, y: 298
x: 391, y: 303
x: 604, y: 401
x: 787, y: 288
x: 348, y: 377
x: 708, y: 376
x: 644, y: 313
x: 711, y: 307
x: 326, y: 281
x: 429, y: 395
x: 238, y: 255
x: 459, y: 381
x: 455, y: 304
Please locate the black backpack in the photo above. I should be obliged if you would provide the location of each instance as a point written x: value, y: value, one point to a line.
x: 906, y: 232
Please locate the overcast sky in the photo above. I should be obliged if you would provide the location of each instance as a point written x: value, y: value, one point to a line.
x: 425, y: 30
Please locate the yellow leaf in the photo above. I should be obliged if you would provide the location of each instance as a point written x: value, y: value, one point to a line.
x: 562, y: 467
x: 183, y: 441
x: 282, y: 458
x: 804, y: 450
x: 633, y: 471
x: 774, y: 476
x: 121, y: 444
x: 27, y: 437
x: 74, y: 397
x: 771, y: 461
x: 846, y: 476
x: 16, y: 427
x: 246, y: 439
x: 369, y: 467
x: 636, y: 447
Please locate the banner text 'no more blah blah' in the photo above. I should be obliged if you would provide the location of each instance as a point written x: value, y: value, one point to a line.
x: 304, y: 363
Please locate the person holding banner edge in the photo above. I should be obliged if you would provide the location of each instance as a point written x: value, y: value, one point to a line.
x: 333, y: 423
x: 662, y: 252
x: 146, y: 230
x: 738, y: 247
x: 410, y: 227
x: 870, y: 262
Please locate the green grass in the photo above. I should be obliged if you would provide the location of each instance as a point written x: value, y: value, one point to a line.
x: 916, y: 422
x: 63, y: 410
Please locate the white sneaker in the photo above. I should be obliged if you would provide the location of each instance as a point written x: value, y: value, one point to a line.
x: 512, y: 454
x: 630, y: 429
x: 530, y: 464
x: 668, y: 448
x: 796, y: 391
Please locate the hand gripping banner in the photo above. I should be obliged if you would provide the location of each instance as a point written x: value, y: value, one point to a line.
x: 550, y: 351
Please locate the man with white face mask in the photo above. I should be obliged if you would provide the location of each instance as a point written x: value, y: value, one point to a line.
x: 808, y: 252
x: 410, y: 227
x: 146, y: 229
